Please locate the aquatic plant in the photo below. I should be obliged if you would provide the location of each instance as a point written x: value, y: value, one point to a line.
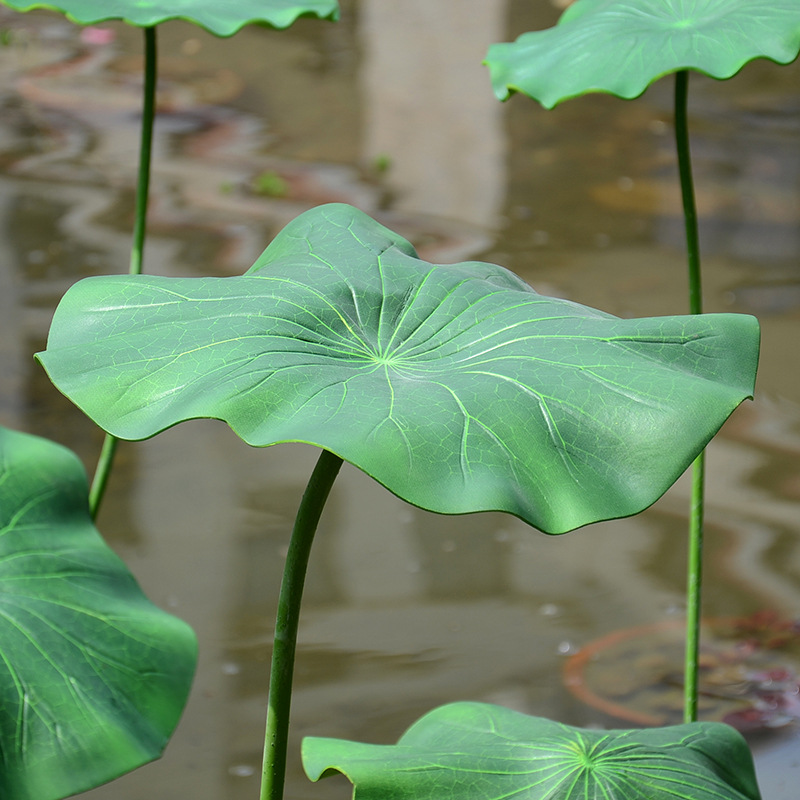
x: 220, y: 19
x: 94, y: 676
x: 476, y: 751
x: 458, y: 387
x: 621, y: 47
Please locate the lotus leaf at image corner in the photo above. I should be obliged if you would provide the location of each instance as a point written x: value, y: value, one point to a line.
x: 220, y: 18
x: 622, y: 46
x: 95, y: 676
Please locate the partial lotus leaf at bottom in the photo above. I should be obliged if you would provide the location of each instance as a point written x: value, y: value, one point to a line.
x: 476, y: 751
x: 457, y: 386
x: 93, y: 677
x: 622, y: 46
x: 220, y: 17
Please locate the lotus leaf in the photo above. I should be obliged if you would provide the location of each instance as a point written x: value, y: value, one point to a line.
x: 476, y: 751
x: 456, y: 386
x: 220, y: 18
x: 93, y: 677
x: 622, y: 46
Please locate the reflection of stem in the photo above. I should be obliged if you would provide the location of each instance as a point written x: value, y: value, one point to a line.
x: 139, y: 230
x: 285, y: 639
x: 695, y: 565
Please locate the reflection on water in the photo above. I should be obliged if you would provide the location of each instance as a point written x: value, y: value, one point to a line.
x: 404, y: 610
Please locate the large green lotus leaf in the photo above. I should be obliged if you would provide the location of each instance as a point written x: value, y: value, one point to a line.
x: 93, y: 677
x: 622, y: 46
x: 475, y: 751
x: 458, y: 387
x: 220, y: 17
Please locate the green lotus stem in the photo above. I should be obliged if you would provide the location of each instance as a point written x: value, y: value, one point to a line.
x: 145, y: 150
x: 695, y: 560
x: 286, y: 623
x: 687, y: 192
x: 693, y: 593
x: 101, y: 474
x: 106, y: 459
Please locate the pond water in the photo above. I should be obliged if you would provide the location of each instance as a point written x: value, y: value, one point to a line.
x: 391, y: 110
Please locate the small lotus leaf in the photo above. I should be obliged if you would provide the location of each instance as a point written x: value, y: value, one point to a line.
x: 93, y: 677
x: 622, y: 46
x: 456, y: 386
x: 220, y: 17
x: 475, y: 751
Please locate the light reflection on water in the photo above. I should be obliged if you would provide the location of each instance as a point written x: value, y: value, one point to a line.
x: 404, y: 610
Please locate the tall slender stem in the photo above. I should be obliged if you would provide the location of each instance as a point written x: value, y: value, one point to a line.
x: 145, y: 150
x: 687, y: 191
x: 693, y: 590
x: 103, y: 470
x: 101, y: 473
x: 288, y: 617
x: 695, y: 560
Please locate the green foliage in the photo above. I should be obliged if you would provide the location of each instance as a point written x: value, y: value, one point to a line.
x: 622, y: 46
x: 94, y: 677
x: 458, y: 387
x: 270, y: 184
x: 475, y: 751
x: 221, y: 18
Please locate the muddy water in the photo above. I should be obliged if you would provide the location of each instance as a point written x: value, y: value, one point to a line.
x: 390, y: 110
